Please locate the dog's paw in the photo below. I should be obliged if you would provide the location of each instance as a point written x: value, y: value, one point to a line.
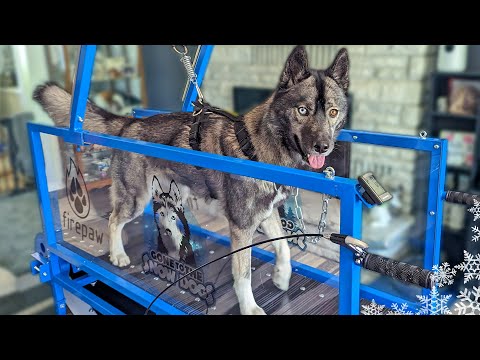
x: 120, y: 259
x: 281, y: 276
x: 256, y: 310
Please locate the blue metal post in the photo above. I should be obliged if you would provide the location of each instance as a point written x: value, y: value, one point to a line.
x: 436, y: 186
x: 200, y: 69
x: 83, y: 75
x: 349, y: 286
x: 38, y: 160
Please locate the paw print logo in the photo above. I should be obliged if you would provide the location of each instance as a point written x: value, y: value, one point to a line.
x: 208, y: 294
x: 77, y: 191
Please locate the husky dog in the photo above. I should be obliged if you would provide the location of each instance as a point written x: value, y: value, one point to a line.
x: 168, y: 207
x: 296, y: 127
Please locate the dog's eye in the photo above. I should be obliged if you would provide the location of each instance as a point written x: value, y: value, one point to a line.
x: 302, y: 110
x: 333, y: 113
x: 173, y: 217
x: 161, y: 213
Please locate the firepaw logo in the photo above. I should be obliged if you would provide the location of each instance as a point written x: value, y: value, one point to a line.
x: 77, y: 191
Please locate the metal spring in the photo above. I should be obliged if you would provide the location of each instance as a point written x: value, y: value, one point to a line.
x: 187, y: 63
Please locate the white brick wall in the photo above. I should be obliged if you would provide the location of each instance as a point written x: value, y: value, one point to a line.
x: 388, y: 83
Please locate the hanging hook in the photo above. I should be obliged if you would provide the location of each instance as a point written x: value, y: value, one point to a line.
x: 185, y: 50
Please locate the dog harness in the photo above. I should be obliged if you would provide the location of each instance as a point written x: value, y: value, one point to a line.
x: 201, y: 109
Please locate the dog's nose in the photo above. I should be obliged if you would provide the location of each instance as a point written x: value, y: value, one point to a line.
x: 320, y: 148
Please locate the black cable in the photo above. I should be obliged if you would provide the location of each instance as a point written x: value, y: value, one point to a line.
x: 217, y: 259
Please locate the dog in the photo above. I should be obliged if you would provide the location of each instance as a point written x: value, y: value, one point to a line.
x: 296, y: 126
x: 168, y: 210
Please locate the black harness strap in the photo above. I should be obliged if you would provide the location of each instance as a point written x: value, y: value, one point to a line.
x: 243, y: 138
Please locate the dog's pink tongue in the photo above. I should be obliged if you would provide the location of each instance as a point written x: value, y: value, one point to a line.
x: 316, y: 161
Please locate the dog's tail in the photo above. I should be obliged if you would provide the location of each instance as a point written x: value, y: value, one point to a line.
x: 56, y: 102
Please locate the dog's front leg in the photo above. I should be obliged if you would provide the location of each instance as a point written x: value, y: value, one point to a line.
x: 283, y: 268
x: 242, y: 271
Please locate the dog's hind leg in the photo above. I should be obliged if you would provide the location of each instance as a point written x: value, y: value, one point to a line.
x: 242, y: 271
x: 283, y: 268
x: 127, y: 205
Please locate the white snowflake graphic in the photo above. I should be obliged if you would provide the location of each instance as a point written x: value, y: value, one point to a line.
x: 443, y: 274
x: 372, y: 309
x: 476, y: 233
x: 434, y: 303
x: 467, y: 305
x: 475, y: 210
x: 470, y: 267
x: 399, y: 310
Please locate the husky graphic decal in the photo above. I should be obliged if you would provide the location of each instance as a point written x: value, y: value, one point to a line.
x: 172, y: 226
x: 77, y: 191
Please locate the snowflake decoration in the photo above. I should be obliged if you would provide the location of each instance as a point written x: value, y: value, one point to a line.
x: 434, y: 303
x: 470, y: 267
x: 372, y: 309
x: 467, y: 305
x: 476, y: 233
x: 475, y: 210
x: 443, y: 274
x: 399, y: 310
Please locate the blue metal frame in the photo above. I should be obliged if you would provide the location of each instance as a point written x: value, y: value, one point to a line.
x: 62, y: 254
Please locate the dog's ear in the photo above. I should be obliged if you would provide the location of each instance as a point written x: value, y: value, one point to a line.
x: 296, y: 68
x: 156, y: 188
x: 175, y: 192
x: 339, y: 69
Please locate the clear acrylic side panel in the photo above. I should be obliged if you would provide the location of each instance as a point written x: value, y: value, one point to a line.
x: 180, y: 231
x: 126, y: 77
x: 398, y: 228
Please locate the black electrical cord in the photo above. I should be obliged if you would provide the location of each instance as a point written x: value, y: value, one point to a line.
x: 217, y: 259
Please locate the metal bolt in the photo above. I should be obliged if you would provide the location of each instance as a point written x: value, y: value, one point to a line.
x: 182, y: 292
x: 44, y: 273
x: 132, y: 266
x: 432, y: 213
x: 253, y: 268
x: 197, y: 299
x: 436, y: 146
x: 296, y: 270
x: 268, y: 274
x: 355, y: 137
x: 302, y: 288
x: 80, y: 119
x: 358, y: 262
x: 155, y: 278
x: 62, y: 306
x: 321, y: 295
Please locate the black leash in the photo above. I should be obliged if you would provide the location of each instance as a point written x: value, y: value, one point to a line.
x: 201, y: 110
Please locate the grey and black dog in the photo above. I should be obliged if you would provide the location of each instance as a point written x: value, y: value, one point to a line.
x: 296, y: 127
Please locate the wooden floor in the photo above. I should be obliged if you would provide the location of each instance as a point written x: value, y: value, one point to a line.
x: 305, y: 296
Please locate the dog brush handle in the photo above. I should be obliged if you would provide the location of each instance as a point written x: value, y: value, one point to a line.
x: 399, y: 270
x: 458, y: 197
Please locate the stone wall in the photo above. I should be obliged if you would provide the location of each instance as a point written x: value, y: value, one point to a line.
x: 388, y: 83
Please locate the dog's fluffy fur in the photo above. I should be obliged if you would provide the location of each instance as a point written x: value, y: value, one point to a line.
x: 282, y: 132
